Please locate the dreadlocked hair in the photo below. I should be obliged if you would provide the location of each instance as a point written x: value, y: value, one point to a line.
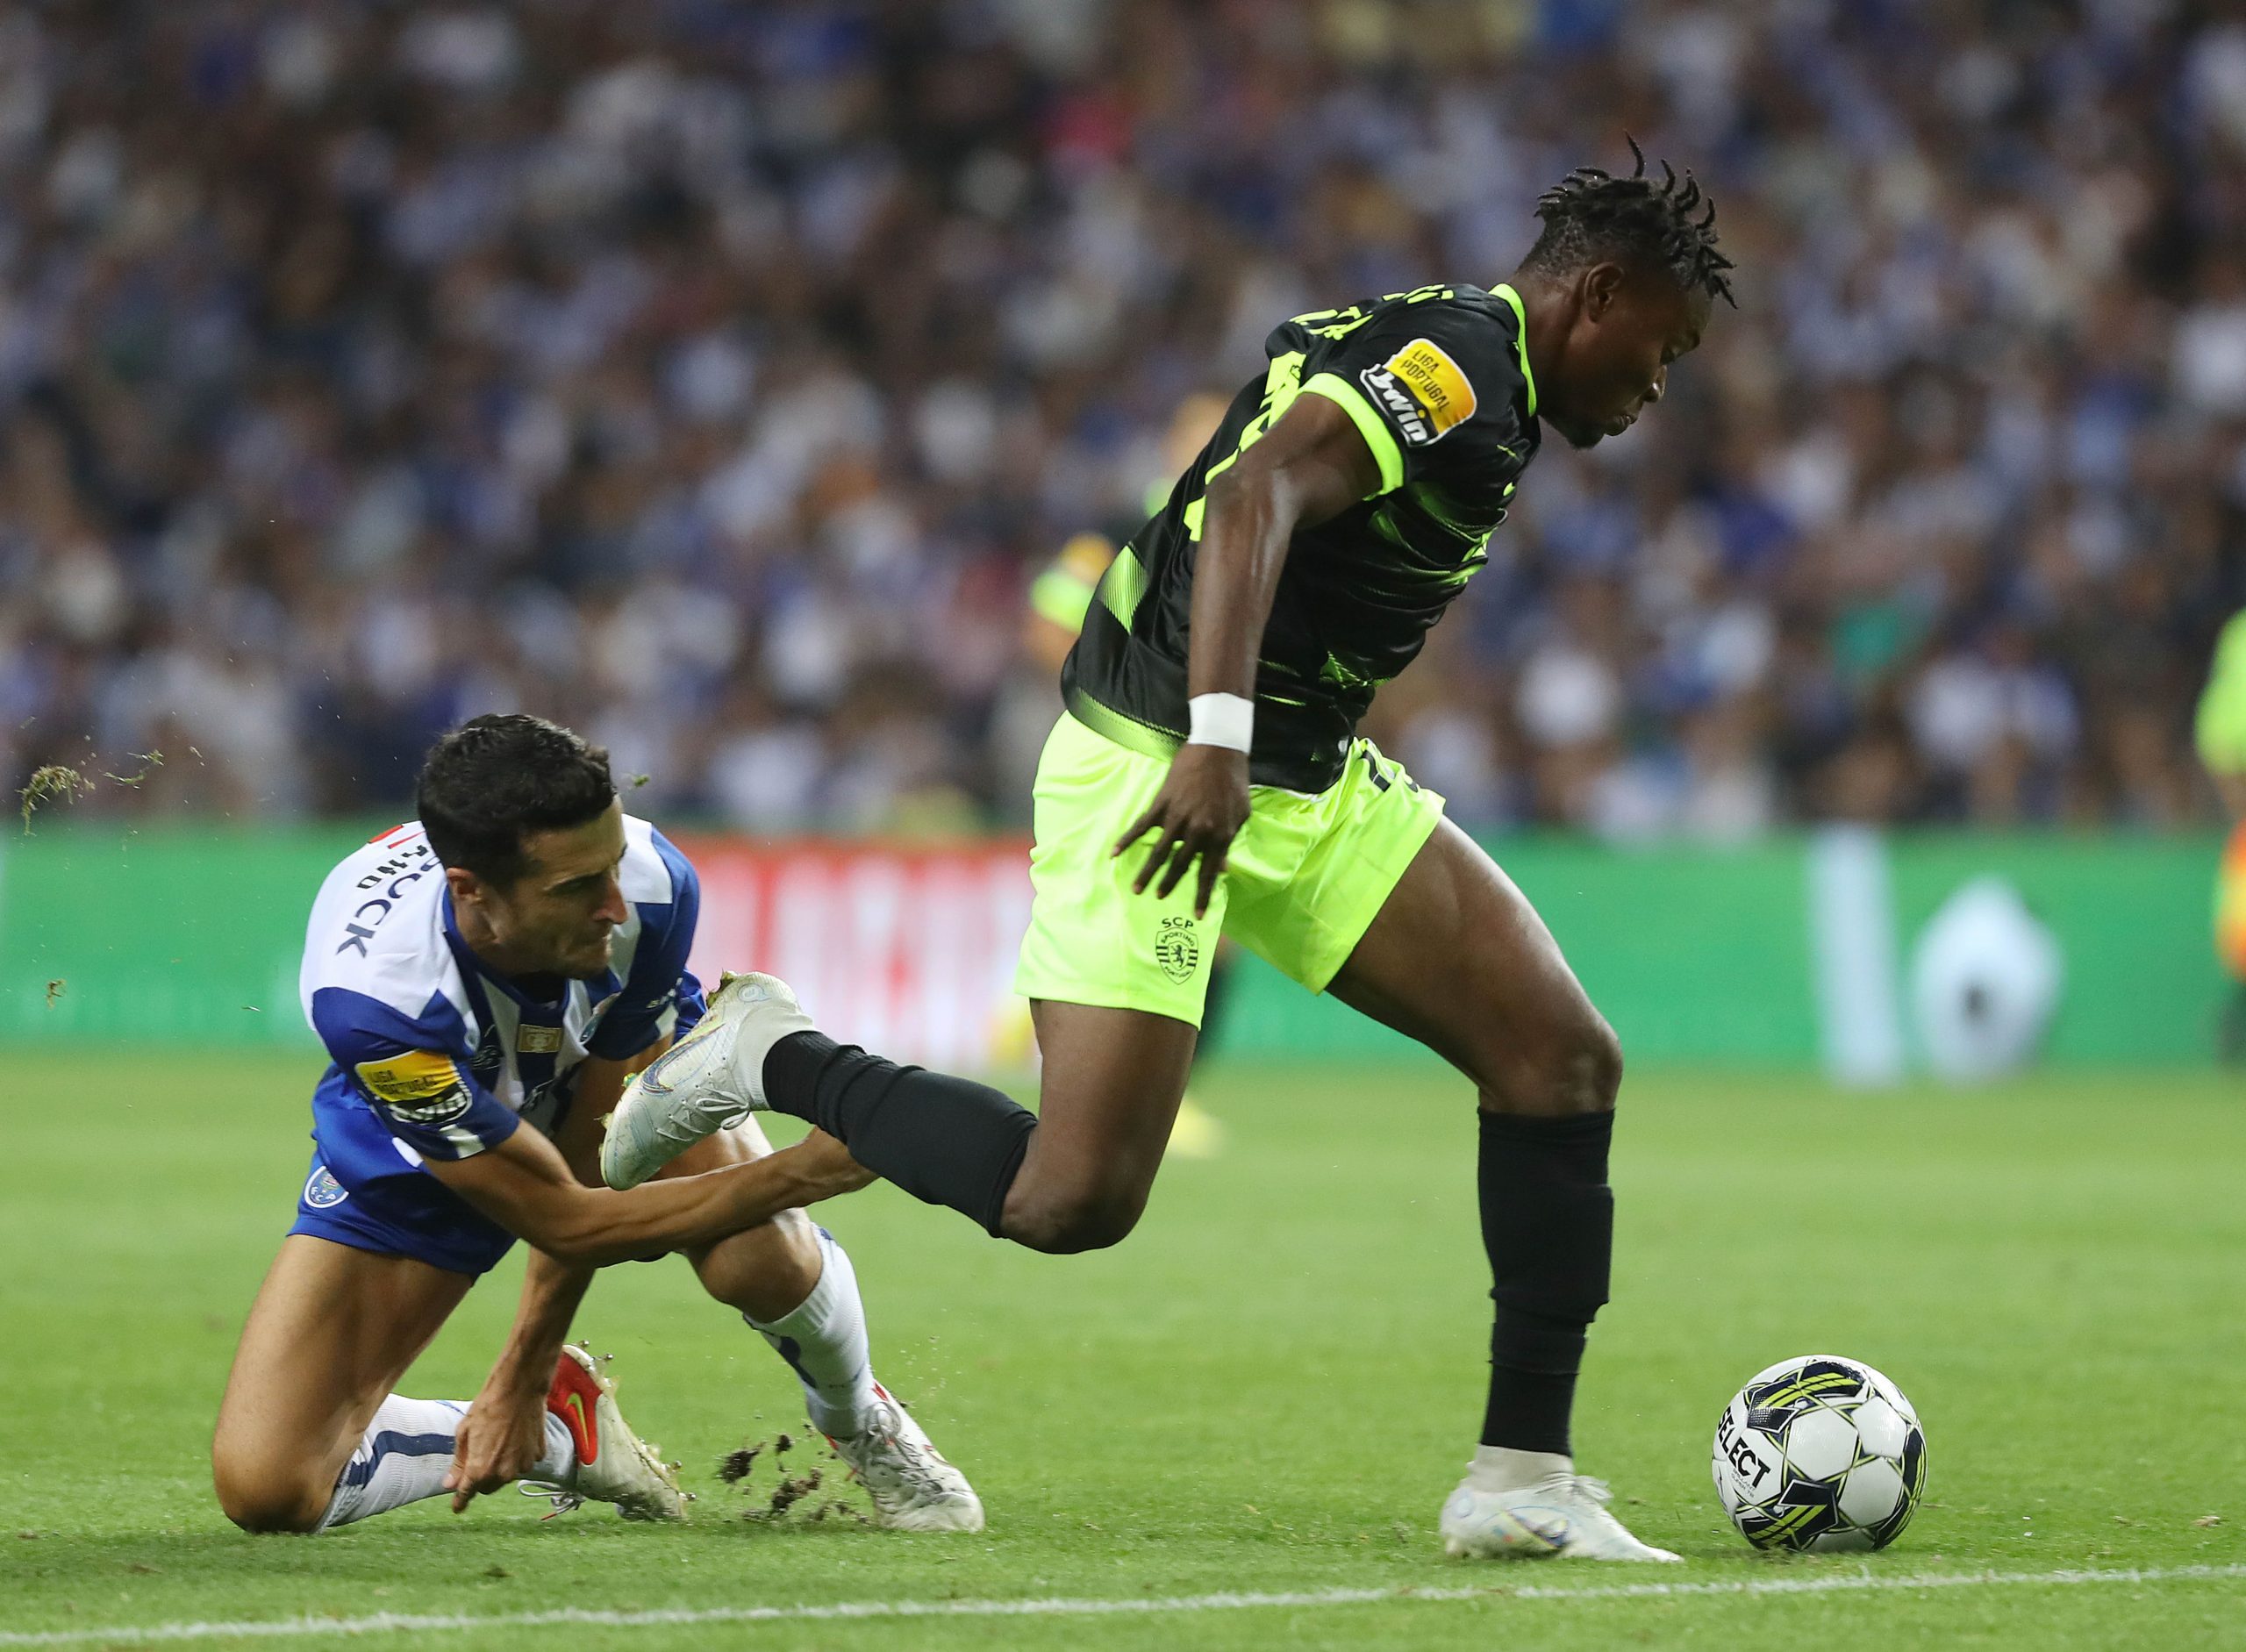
x: 1591, y: 215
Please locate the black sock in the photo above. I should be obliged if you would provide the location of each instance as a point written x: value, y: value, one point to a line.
x: 1547, y: 1222
x: 944, y: 1140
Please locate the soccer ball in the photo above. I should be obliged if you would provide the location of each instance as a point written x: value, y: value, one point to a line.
x: 1822, y: 1453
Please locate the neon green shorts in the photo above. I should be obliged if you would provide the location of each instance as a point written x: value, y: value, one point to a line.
x: 1301, y: 884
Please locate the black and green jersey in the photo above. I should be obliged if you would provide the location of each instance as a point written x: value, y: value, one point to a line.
x: 1438, y: 382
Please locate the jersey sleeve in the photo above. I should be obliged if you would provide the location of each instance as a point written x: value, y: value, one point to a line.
x: 660, y: 998
x: 1434, y: 387
x: 413, y: 1072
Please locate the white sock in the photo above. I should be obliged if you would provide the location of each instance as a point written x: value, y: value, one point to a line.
x: 823, y: 1339
x: 1502, y: 1469
x: 406, y: 1452
x: 560, y: 1461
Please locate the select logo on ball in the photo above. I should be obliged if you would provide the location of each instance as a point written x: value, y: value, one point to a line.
x: 1819, y: 1453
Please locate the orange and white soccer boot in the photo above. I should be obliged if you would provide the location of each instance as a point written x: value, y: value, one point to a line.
x: 614, y: 1465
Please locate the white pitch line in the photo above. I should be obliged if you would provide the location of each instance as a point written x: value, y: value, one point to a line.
x: 412, y: 1623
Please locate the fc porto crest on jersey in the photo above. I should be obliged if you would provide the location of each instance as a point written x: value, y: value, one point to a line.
x: 1178, y: 949
x: 323, y: 1191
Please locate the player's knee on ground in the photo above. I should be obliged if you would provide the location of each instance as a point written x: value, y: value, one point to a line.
x: 1575, y: 1068
x: 765, y: 1272
x: 264, y: 1497
x: 1065, y: 1215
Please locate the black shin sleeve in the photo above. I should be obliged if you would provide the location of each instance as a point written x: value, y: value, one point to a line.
x: 944, y: 1140
x: 1547, y: 1222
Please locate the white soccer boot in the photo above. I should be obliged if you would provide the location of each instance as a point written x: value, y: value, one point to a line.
x: 1563, y: 1514
x: 709, y: 1080
x: 912, y: 1486
x: 614, y: 1465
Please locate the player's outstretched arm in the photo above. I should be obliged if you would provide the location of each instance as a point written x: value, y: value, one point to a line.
x: 504, y: 1430
x: 525, y: 1185
x: 1311, y: 466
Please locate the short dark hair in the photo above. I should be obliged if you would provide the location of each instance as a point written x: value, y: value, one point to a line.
x: 1590, y: 216
x: 495, y: 779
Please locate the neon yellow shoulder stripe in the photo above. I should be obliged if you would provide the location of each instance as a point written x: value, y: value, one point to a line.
x: 1504, y: 289
x: 1370, y: 425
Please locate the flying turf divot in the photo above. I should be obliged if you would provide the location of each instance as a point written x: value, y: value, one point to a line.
x: 409, y: 1623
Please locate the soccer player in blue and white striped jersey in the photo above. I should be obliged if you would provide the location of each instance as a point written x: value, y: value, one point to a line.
x: 485, y: 979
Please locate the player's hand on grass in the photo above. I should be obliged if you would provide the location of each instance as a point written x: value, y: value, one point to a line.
x: 500, y: 1440
x: 1198, y: 812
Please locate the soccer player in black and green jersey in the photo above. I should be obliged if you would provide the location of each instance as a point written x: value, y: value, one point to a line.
x: 1208, y: 776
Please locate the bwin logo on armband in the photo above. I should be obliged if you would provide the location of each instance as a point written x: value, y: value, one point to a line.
x: 1426, y: 392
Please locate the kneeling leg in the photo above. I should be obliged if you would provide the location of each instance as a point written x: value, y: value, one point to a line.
x: 309, y: 1434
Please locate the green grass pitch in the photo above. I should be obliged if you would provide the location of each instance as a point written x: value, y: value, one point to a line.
x: 1268, y: 1389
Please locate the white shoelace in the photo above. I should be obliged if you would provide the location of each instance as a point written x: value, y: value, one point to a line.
x: 563, y: 1500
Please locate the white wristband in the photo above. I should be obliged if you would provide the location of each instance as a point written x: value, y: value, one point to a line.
x: 1221, y: 720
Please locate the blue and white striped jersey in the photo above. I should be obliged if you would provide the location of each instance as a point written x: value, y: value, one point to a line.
x: 448, y: 1055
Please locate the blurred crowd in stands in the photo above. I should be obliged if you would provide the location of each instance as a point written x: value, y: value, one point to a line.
x: 717, y: 378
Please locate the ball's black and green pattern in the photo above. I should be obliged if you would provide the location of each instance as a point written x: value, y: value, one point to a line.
x: 1819, y: 1453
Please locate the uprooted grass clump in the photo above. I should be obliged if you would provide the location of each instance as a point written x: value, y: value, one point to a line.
x: 60, y: 782
x: 55, y: 783
x: 789, y: 1496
